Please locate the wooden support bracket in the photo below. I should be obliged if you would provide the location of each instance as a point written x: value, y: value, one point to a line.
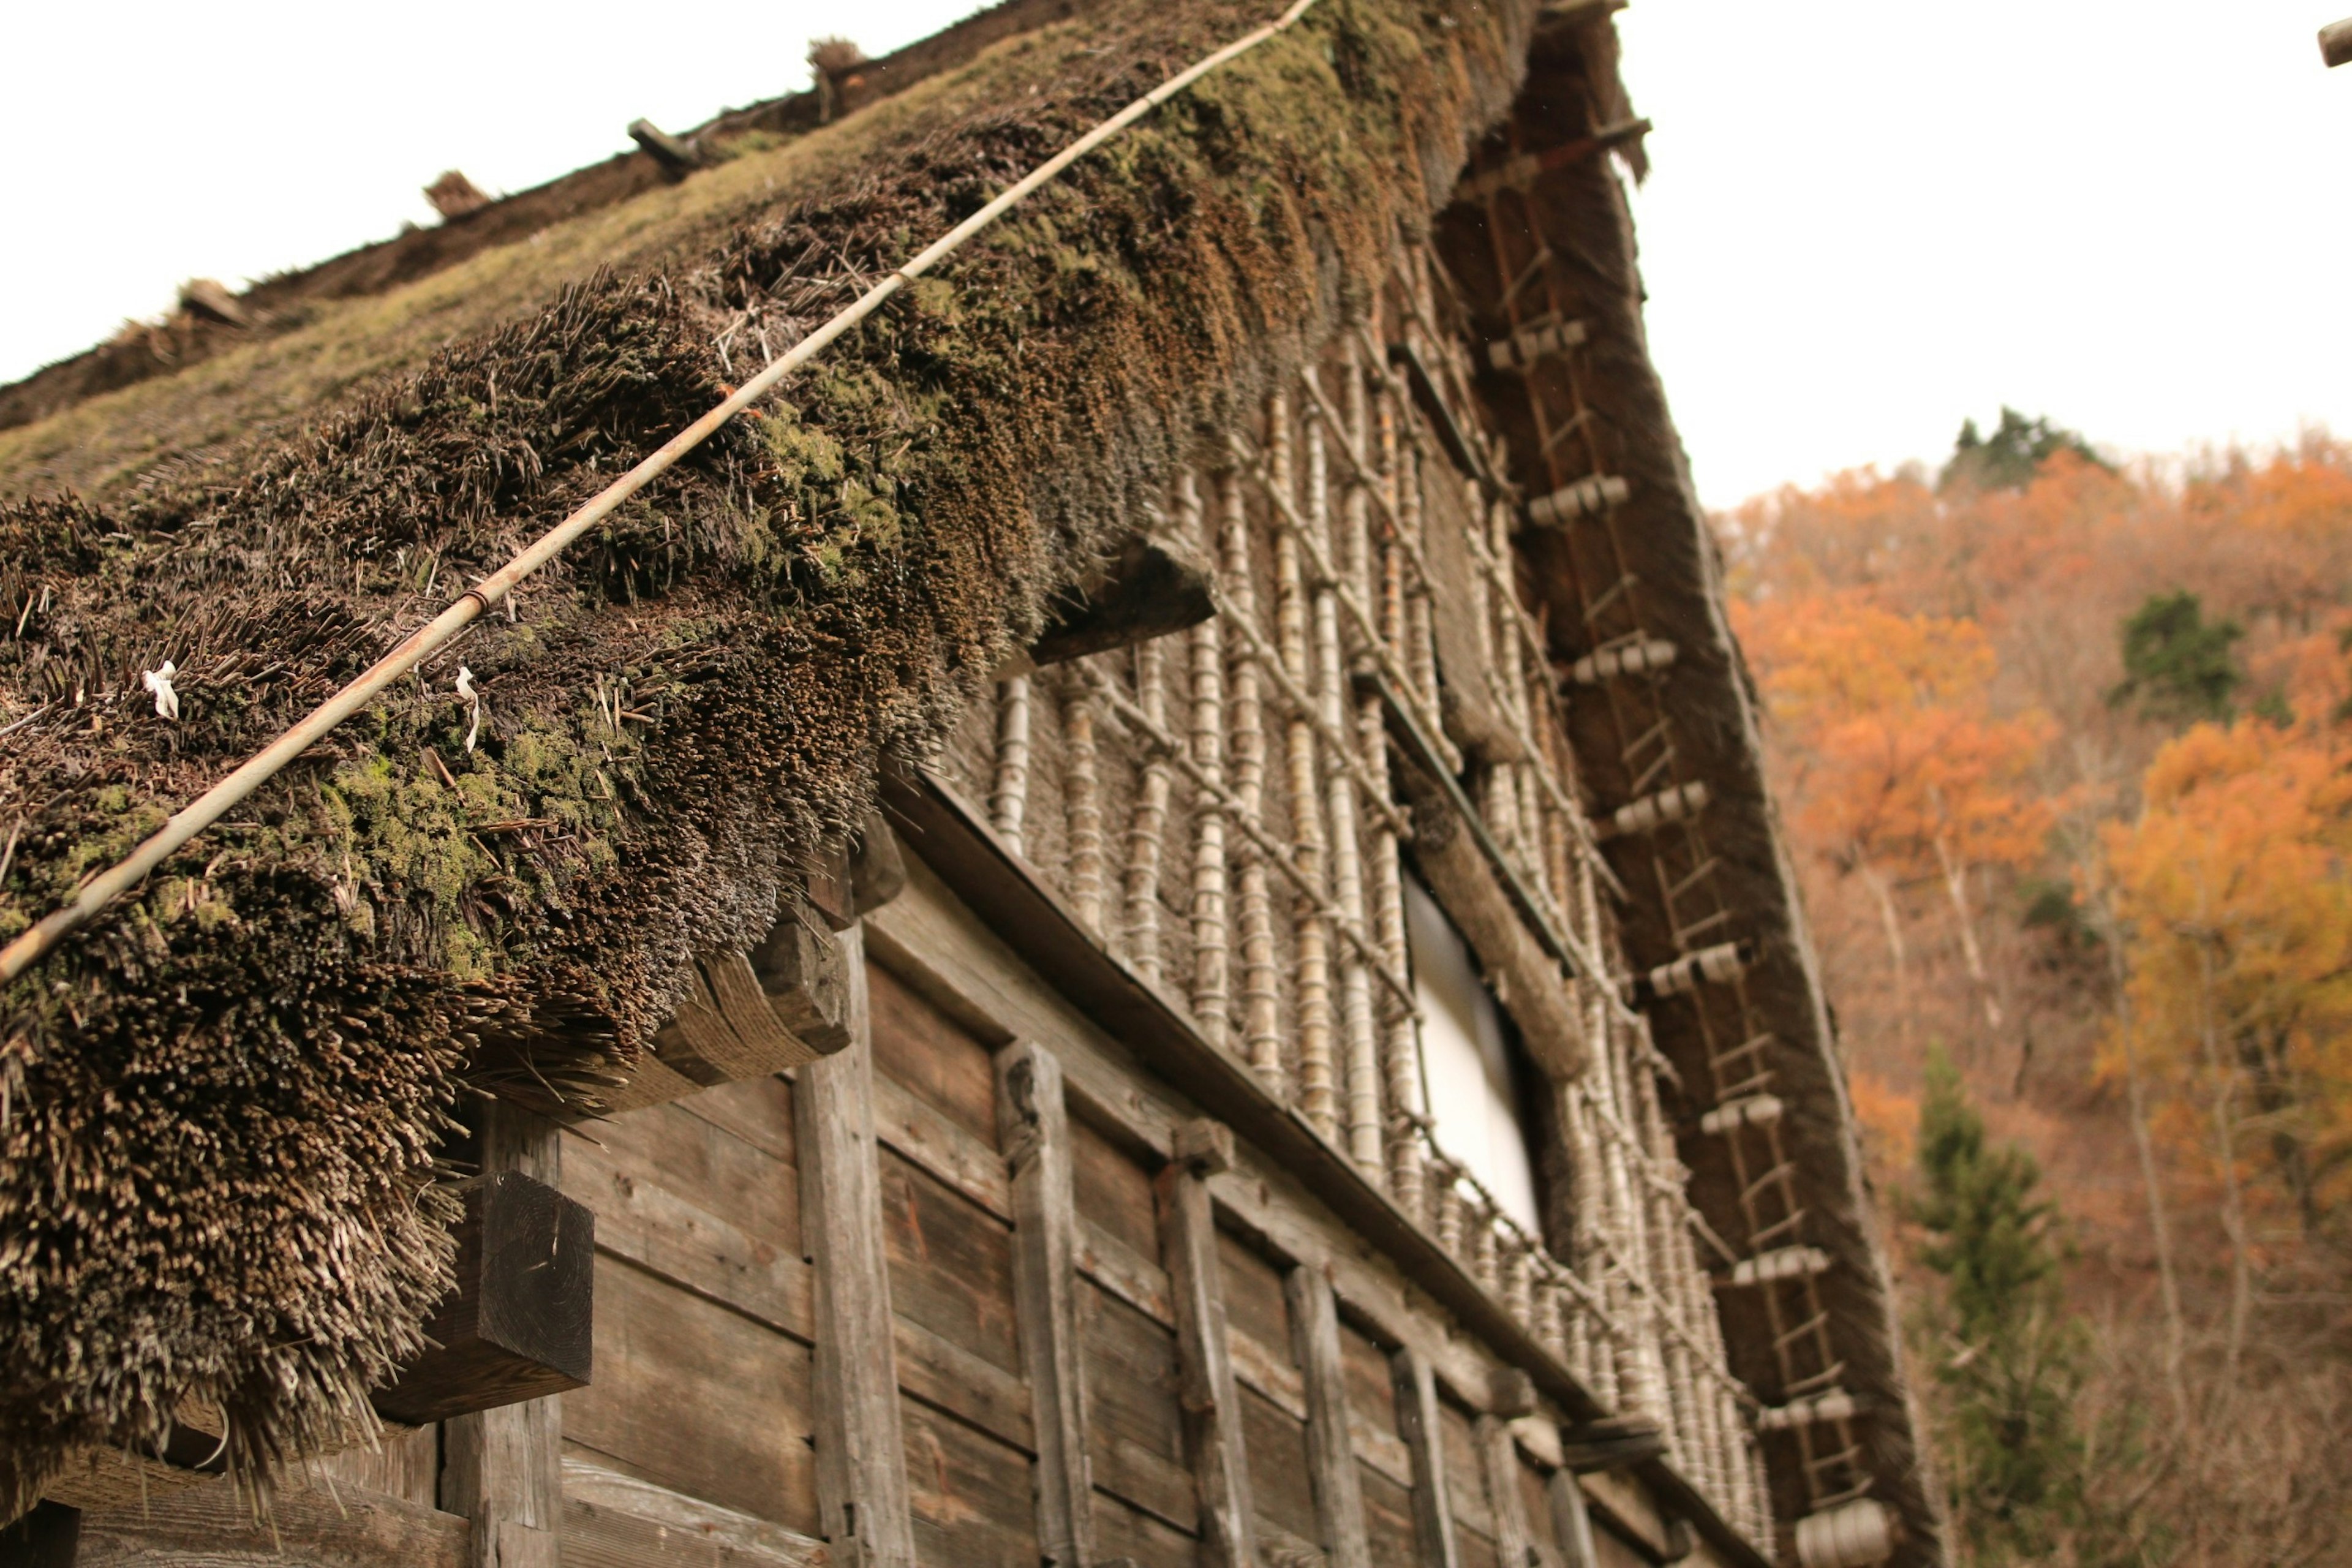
x: 863, y: 1507
x: 1331, y: 1453
x: 1034, y: 1127
x: 1424, y: 1439
x: 519, y: 1326
x: 1206, y: 1392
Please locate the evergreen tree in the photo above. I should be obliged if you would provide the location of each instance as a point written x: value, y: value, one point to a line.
x: 2010, y: 457
x: 2176, y: 666
x: 2004, y: 1349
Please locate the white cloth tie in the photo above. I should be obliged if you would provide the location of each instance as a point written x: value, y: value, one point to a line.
x: 465, y: 689
x: 159, y: 681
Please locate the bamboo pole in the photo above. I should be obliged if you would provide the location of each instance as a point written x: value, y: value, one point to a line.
x: 1081, y: 793
x: 1147, y: 828
x: 1211, y: 987
x: 1261, y: 981
x: 1008, y: 801
x: 209, y: 807
x: 1363, y: 1123
x: 1311, y: 963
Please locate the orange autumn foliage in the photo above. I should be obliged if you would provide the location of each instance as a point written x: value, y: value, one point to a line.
x: 2234, y: 881
x: 1893, y: 744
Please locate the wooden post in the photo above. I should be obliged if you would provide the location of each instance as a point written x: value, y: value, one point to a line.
x: 503, y: 1468
x: 1205, y: 1389
x: 1571, y: 1522
x: 1499, y: 1458
x: 1330, y: 1454
x: 861, y: 1463
x: 1424, y: 1439
x: 1032, y: 1125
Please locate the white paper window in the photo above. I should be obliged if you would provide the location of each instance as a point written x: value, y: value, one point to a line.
x: 1472, y: 1101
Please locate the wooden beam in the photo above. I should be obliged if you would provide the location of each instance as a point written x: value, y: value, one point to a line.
x: 615, y: 1520
x: 48, y: 1537
x: 804, y: 969
x: 213, y: 1526
x: 502, y: 1468
x: 1034, y: 1131
x: 1153, y: 588
x: 520, y: 1324
x: 1330, y: 1456
x: 678, y: 155
x: 1571, y: 1522
x: 1498, y: 1462
x: 1205, y: 1391
x: 1424, y: 1439
x: 861, y: 1464
x: 1619, y: 1443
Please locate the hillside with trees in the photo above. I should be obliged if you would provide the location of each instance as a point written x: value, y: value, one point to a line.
x: 2062, y: 748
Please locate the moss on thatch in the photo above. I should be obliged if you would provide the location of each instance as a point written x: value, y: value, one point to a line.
x: 215, y: 1170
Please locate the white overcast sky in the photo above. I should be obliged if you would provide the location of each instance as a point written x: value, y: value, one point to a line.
x: 1868, y: 218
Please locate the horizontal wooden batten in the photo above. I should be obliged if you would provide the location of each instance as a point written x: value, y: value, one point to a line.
x: 956, y: 842
x: 213, y: 1523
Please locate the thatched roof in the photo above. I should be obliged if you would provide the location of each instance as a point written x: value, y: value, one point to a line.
x: 225, y: 1095
x: 223, y: 1099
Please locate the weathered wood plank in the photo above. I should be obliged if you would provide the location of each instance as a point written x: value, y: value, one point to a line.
x: 641, y: 1220
x: 209, y: 1526
x: 942, y: 1374
x: 861, y: 1477
x: 404, y: 1463
x: 932, y: 1055
x: 1033, y: 1130
x: 502, y: 1468
x: 617, y: 1520
x: 758, y: 1111
x: 1423, y: 1431
x: 699, y: 1397
x: 971, y: 1495
x: 1339, y: 1497
x: 917, y: 1130
x: 1211, y: 1403
x: 1466, y: 1474
x: 1279, y: 1485
x: 951, y: 1263
x: 1388, y: 1519
x: 995, y: 885
x: 1113, y: 1192
x: 1110, y: 1263
x: 1500, y: 1459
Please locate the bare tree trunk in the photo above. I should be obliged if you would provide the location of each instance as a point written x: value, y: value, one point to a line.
x: 1873, y: 879
x: 2144, y: 1144
x: 1956, y: 883
x: 2233, y: 1212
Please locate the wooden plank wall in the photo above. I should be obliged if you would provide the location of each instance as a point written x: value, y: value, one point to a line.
x: 704, y: 1318
x: 951, y: 1010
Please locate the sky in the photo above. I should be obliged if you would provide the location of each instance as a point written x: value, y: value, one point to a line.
x: 1867, y: 219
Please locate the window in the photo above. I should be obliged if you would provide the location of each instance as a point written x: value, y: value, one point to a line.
x: 1473, y: 1102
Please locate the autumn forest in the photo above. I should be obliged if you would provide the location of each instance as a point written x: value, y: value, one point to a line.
x: 2062, y: 745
